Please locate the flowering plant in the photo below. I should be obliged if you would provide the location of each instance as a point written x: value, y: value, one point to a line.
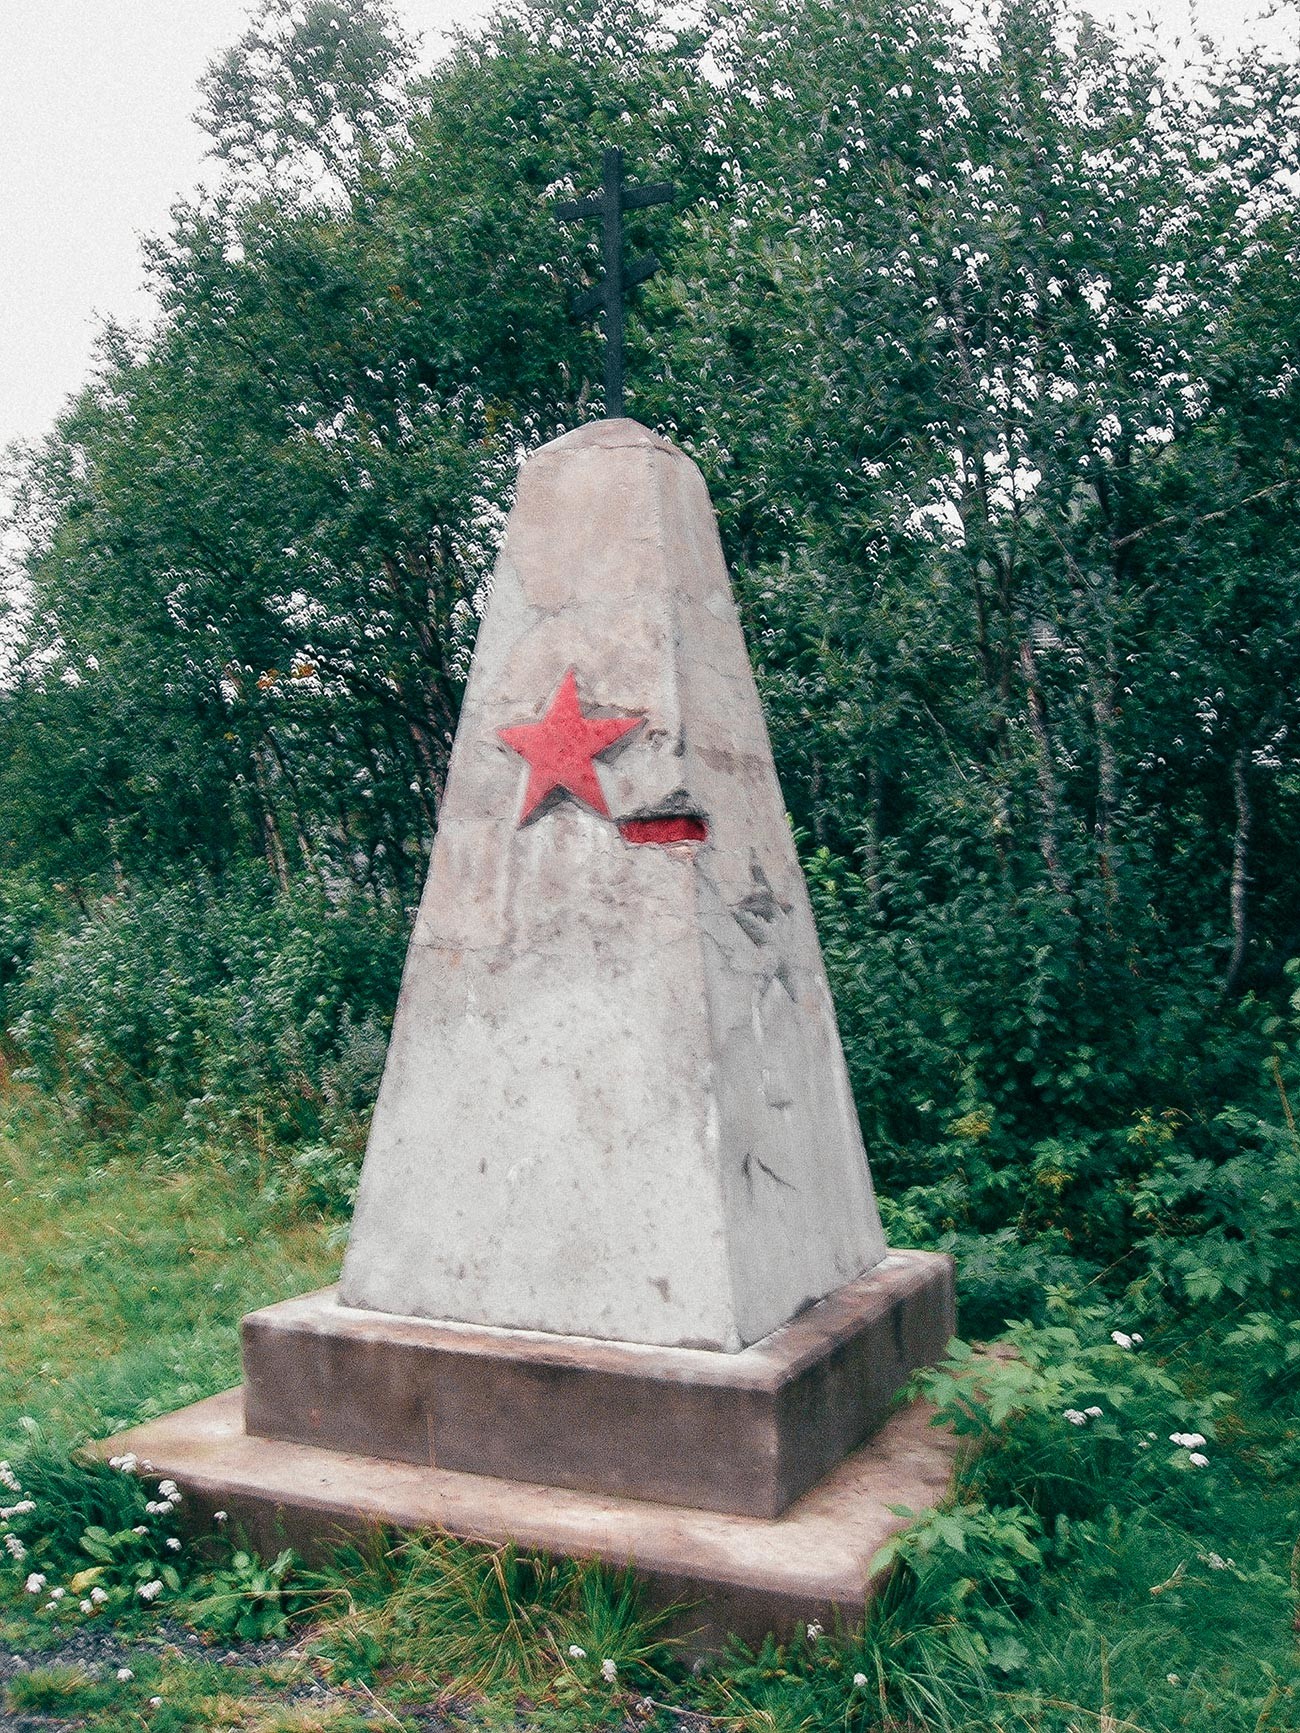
x: 90, y: 1537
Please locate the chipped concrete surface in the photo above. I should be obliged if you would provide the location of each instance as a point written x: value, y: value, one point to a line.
x: 615, y: 1103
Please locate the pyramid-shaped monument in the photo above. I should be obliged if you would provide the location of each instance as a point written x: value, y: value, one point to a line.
x: 616, y: 1285
x: 615, y: 1228
x: 615, y: 1103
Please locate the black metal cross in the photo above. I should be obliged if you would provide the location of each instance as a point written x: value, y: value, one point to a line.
x: 614, y: 197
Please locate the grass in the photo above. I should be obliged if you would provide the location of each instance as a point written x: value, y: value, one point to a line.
x: 121, y: 1286
x: 57, y: 1691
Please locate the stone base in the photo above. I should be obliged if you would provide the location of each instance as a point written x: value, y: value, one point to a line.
x: 746, y: 1433
x: 733, y: 1574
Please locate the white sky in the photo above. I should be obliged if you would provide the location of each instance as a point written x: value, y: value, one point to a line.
x: 97, y: 142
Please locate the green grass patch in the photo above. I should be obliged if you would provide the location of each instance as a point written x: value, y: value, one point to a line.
x: 56, y: 1691
x: 122, y: 1282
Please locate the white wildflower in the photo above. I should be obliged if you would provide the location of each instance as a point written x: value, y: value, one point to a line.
x: 35, y: 1583
x: 98, y: 1596
x: 1216, y: 1562
x: 151, y: 1590
x: 1093, y: 1413
x: 159, y: 1507
x: 125, y: 1464
x: 86, y: 1606
x: 15, y: 1548
x: 859, y: 1680
x: 1173, y: 1679
x: 8, y: 1478
x: 814, y: 1631
x: 1137, y: 1340
x: 24, y: 1507
x: 125, y: 1673
x: 1198, y: 1459
x: 173, y: 1545
x: 1187, y: 1440
x: 168, y: 1489
x: 609, y: 1671
x: 1075, y: 1416
x: 154, y: 1702
x: 140, y: 1528
x: 1120, y: 1339
x: 577, y: 1654
x: 57, y: 1594
x: 220, y: 1516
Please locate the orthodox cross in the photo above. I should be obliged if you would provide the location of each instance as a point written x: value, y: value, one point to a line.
x: 614, y: 197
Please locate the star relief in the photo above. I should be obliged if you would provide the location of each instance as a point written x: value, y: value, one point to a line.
x: 561, y: 750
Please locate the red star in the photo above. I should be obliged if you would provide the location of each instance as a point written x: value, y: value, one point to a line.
x: 562, y: 748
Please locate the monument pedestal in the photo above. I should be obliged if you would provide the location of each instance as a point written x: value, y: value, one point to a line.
x: 738, y: 1486
x: 746, y: 1432
x: 733, y: 1575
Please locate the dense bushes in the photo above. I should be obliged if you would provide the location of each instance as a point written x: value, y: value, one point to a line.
x: 1133, y: 1119
x: 229, y: 1010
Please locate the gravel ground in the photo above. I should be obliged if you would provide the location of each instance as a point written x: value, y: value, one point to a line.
x: 100, y: 1651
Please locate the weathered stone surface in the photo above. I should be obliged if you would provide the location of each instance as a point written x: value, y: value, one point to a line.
x: 615, y: 1103
x: 735, y: 1574
x: 746, y: 1432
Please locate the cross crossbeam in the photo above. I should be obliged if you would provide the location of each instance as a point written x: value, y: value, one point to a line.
x: 609, y: 204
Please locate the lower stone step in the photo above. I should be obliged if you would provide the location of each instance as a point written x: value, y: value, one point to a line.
x: 741, y: 1575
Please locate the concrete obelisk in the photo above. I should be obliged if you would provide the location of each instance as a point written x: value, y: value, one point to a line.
x: 616, y: 1284
x: 615, y: 1102
x: 615, y: 1113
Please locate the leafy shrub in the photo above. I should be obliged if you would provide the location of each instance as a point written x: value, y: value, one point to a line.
x: 235, y: 1010
x: 1060, y: 1125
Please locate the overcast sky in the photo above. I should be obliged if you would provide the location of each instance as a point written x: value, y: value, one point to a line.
x: 97, y: 141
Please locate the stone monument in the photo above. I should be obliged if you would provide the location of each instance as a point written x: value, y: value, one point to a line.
x: 616, y: 1283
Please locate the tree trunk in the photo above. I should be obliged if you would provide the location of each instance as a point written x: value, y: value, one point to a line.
x: 273, y: 841
x: 1046, y: 773
x: 1237, y: 895
x: 875, y: 883
x: 1103, y: 716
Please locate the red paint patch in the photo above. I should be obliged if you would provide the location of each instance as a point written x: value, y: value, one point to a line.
x: 662, y: 830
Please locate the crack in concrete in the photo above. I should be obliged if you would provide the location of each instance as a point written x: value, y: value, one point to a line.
x: 751, y: 1161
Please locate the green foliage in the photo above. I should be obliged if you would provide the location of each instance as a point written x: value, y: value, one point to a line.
x: 56, y: 1691
x: 235, y: 1010
x: 90, y: 1538
x: 248, y: 1599
x: 494, y: 1620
